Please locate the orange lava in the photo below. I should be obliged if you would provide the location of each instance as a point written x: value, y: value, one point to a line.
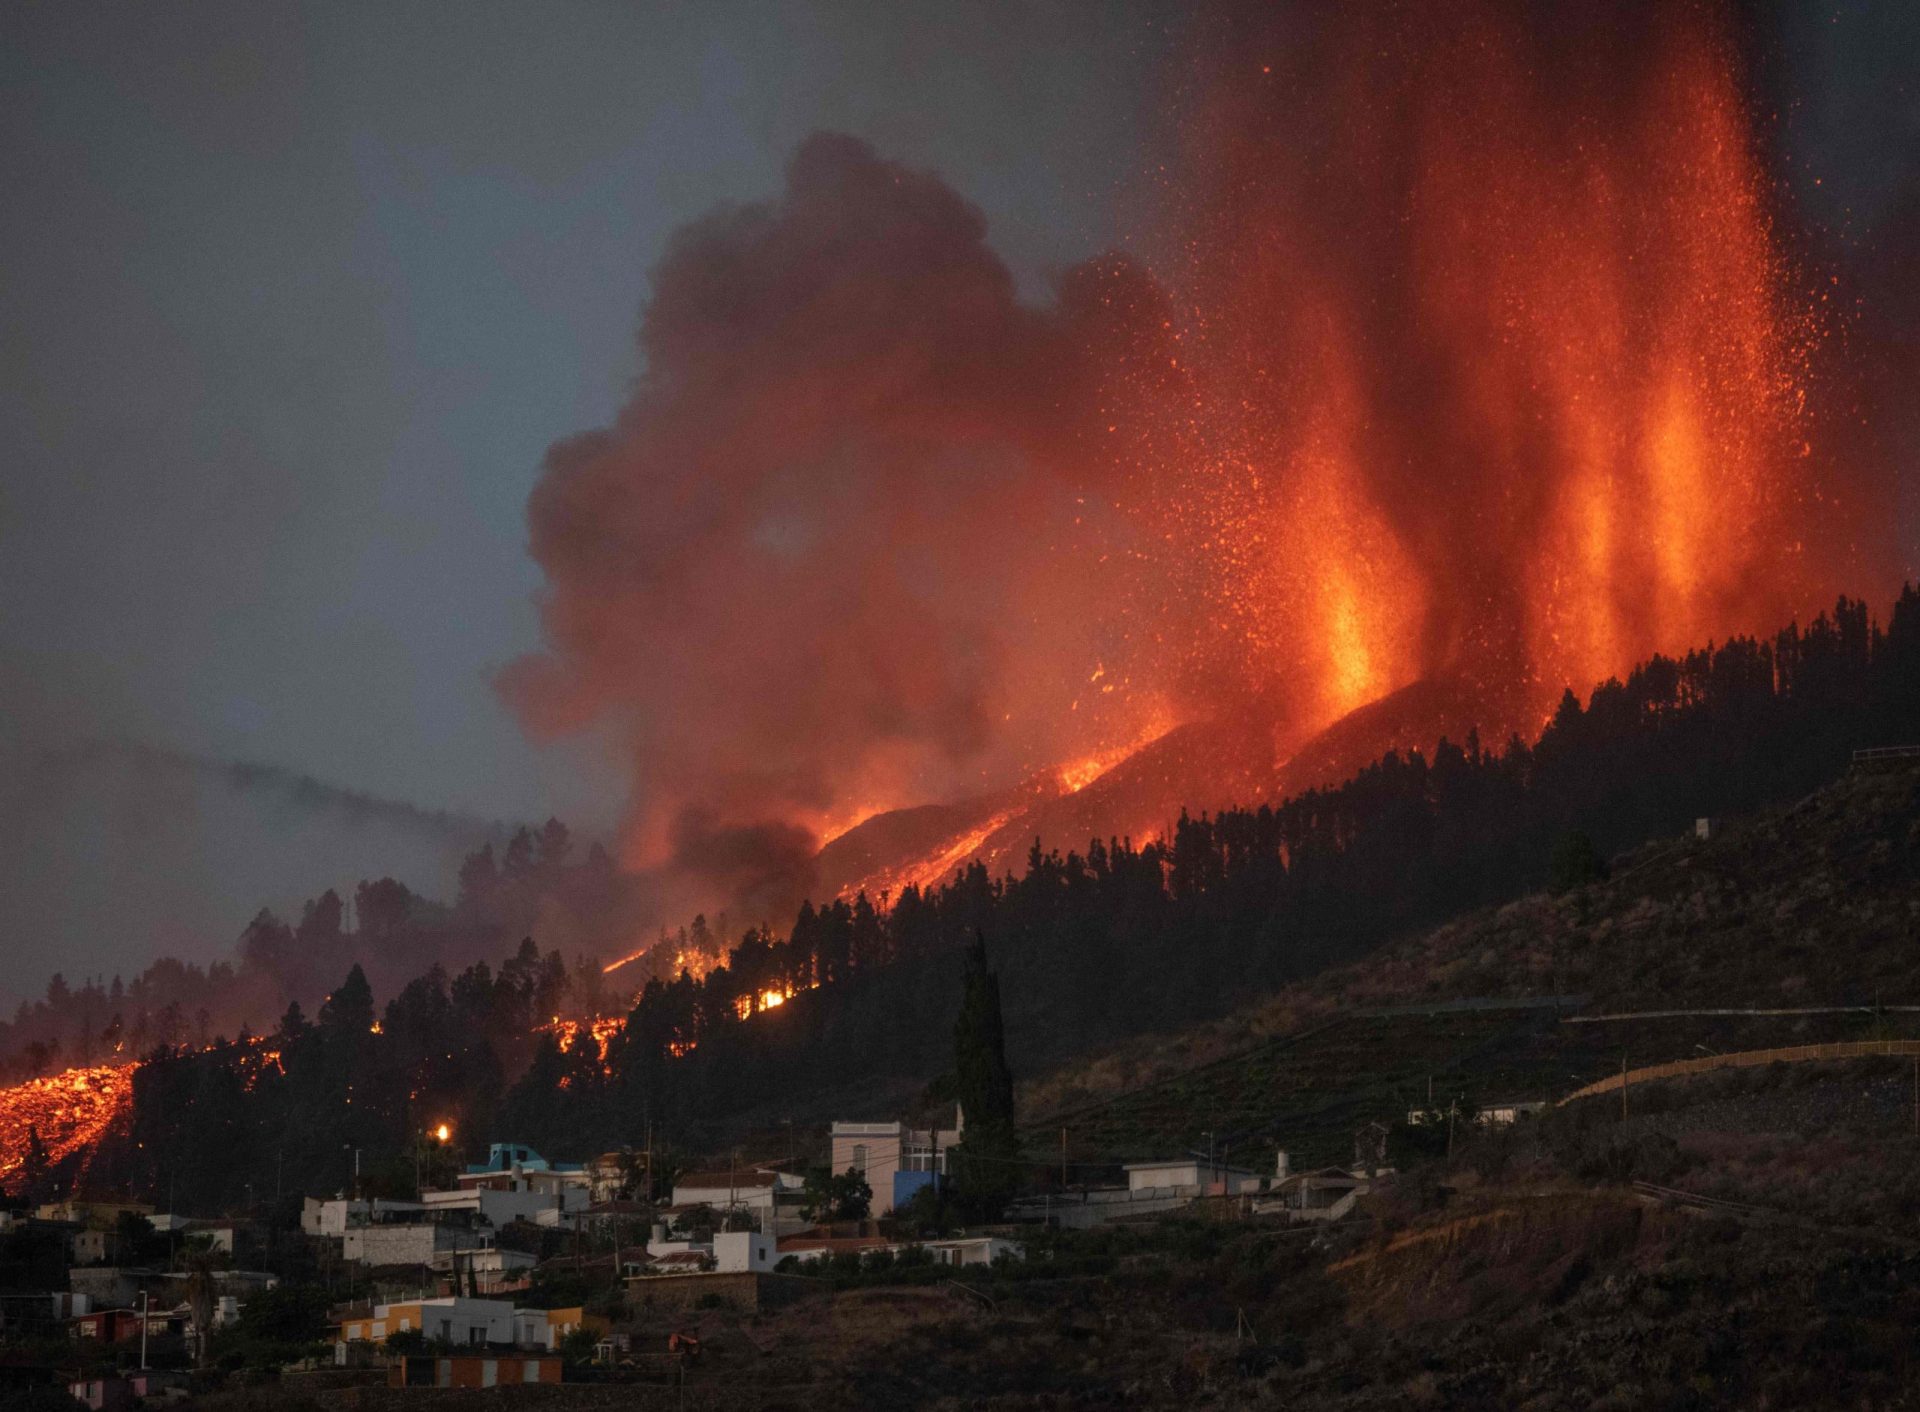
x: 934, y: 867
x: 71, y: 1111
x: 1483, y: 362
x: 573, y: 1035
x: 668, y: 962
x: 1076, y: 775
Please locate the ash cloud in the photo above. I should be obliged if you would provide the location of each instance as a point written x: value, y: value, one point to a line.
x: 765, y: 869
x: 832, y: 554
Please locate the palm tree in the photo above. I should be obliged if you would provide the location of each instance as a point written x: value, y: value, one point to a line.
x: 201, y: 1262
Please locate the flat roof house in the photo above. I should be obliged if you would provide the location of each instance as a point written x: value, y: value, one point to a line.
x: 747, y: 1189
x: 896, y: 1160
x: 466, y: 1323
x: 1189, y: 1176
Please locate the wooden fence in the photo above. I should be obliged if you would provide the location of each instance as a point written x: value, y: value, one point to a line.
x: 1748, y: 1058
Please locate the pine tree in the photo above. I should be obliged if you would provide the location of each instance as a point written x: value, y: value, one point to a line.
x: 985, y: 1166
x: 349, y: 1009
x: 293, y: 1024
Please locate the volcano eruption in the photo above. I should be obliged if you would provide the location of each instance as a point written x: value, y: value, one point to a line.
x: 1459, y: 359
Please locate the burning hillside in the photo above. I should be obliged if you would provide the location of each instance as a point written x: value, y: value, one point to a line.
x: 69, y: 1112
x: 1462, y: 363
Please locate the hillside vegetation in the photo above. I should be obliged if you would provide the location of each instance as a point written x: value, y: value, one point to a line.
x: 1800, y: 908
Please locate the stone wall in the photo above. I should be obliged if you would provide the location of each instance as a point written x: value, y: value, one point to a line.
x: 738, y: 1291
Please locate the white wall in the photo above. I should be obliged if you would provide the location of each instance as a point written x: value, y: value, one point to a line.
x: 751, y: 1198
x: 503, y: 1207
x: 737, y: 1252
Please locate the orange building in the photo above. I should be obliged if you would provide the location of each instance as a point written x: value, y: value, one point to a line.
x: 474, y: 1370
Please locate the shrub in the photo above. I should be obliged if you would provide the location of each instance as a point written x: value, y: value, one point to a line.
x: 1575, y: 863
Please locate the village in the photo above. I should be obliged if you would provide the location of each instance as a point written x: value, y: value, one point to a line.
x: 527, y: 1270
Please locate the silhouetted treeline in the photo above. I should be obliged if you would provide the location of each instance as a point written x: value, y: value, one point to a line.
x: 247, y: 1120
x: 1089, y: 946
x: 535, y: 885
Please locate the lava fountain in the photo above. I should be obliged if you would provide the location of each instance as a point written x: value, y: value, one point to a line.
x: 1485, y: 359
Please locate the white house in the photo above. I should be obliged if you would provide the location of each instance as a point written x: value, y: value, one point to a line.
x: 331, y: 1218
x: 729, y: 1252
x: 497, y: 1207
x: 738, y: 1252
x: 971, y: 1250
x: 455, y: 1319
x: 1500, y: 1113
x: 1326, y: 1195
x: 1189, y: 1176
x: 747, y: 1189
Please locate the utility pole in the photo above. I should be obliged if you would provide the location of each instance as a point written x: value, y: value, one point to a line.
x: 1623, y: 1085
x: 1916, y: 1095
x: 1063, y: 1157
x: 143, y: 1329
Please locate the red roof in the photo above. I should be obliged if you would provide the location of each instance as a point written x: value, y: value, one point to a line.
x: 833, y: 1245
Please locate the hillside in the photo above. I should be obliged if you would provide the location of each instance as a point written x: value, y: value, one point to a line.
x: 1245, y: 754
x: 1794, y: 909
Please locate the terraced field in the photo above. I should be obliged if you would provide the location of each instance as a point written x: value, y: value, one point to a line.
x: 1309, y: 1092
x: 1306, y: 1092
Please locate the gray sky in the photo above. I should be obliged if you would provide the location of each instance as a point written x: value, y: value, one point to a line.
x: 295, y: 298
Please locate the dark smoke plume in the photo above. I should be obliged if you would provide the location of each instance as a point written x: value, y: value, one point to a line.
x: 825, y: 560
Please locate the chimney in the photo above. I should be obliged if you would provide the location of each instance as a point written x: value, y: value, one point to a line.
x: 1280, y: 1168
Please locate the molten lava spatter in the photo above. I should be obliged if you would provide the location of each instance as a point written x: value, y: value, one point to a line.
x: 1486, y: 364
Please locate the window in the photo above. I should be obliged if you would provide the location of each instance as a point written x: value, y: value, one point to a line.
x: 860, y: 1158
x: 476, y: 1335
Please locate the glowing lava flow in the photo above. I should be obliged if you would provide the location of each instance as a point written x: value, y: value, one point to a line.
x: 70, y: 1111
x: 934, y: 867
x: 573, y: 1035
x: 668, y: 961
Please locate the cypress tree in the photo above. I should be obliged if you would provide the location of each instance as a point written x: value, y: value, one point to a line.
x: 985, y: 1165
